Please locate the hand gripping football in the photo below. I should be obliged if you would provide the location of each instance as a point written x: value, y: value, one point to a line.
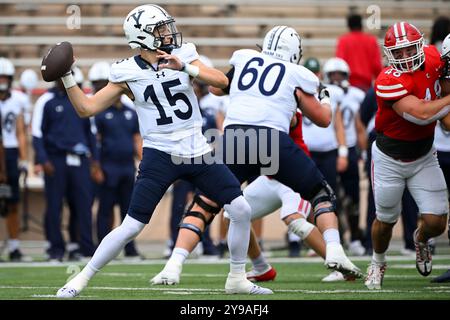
x: 57, y: 61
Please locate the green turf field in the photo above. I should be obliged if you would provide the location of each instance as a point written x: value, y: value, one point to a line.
x: 297, y: 279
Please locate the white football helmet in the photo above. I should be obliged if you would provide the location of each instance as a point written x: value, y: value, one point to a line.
x: 29, y: 79
x: 99, y: 71
x: 283, y: 43
x: 445, y: 55
x: 336, y: 65
x: 150, y: 27
x: 6, y: 67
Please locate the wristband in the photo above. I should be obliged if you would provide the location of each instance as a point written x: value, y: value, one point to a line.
x: 342, y: 151
x: 190, y: 69
x: 68, y: 80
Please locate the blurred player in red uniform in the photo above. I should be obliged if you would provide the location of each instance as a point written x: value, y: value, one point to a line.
x: 408, y: 102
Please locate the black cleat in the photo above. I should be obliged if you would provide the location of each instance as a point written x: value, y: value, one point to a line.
x: 15, y: 256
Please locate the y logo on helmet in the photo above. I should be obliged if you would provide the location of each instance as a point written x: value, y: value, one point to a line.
x: 136, y: 16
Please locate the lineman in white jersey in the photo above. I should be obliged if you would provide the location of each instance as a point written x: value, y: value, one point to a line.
x: 13, y: 105
x: 336, y: 71
x: 170, y: 123
x: 265, y: 90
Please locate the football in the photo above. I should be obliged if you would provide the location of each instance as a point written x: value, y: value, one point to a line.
x: 57, y: 61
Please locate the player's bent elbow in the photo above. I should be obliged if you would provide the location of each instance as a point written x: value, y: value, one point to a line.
x: 84, y: 111
x: 222, y: 82
x: 325, y: 119
x: 324, y: 123
x: 216, y: 91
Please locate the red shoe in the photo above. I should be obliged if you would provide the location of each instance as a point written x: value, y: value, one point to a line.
x: 268, y: 275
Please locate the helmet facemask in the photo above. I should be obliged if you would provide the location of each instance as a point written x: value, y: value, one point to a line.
x: 165, y: 35
x: 445, y: 56
x: 5, y: 85
x: 409, y: 64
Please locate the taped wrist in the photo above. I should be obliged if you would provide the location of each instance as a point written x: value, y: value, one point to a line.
x: 343, y: 151
x: 68, y: 80
x: 190, y: 69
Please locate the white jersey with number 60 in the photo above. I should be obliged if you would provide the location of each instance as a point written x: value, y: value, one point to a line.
x: 167, y: 108
x: 262, y: 91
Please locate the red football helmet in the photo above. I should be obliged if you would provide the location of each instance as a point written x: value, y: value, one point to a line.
x: 404, y: 35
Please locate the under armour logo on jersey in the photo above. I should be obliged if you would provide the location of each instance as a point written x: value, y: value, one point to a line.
x: 160, y: 75
x: 128, y: 115
x: 136, y: 16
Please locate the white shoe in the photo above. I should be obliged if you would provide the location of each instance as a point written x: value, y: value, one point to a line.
x: 334, y: 277
x: 67, y: 293
x: 170, y: 275
x: 356, y: 248
x: 72, y: 288
x: 337, y: 260
x: 423, y: 256
x: 375, y: 275
x: 238, y: 283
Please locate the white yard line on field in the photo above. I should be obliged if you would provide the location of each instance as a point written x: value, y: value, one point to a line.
x: 202, y: 261
x: 171, y: 290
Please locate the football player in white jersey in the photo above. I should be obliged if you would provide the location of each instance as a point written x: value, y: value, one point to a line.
x: 159, y: 82
x: 337, y: 72
x: 13, y: 105
x: 265, y: 90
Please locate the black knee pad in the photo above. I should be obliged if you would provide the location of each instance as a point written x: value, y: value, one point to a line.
x: 325, y: 194
x: 202, y: 204
x: 193, y: 227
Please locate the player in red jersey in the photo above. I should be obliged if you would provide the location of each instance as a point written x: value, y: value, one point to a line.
x: 408, y: 101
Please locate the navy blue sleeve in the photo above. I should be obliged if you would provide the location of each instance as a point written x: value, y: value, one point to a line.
x: 89, y: 126
x: 39, y: 150
x: 368, y: 107
x: 41, y: 156
x: 135, y: 124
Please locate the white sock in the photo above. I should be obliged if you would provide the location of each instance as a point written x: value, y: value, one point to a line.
x: 80, y: 281
x: 179, y: 255
x: 238, y: 233
x: 13, y: 244
x: 115, y: 241
x: 331, y: 236
x: 379, y: 258
x: 260, y: 264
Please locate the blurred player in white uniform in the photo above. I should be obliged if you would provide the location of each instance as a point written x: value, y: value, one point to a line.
x: 174, y: 146
x: 336, y: 71
x: 13, y: 105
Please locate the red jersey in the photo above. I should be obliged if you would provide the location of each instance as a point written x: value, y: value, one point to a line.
x: 354, y: 45
x: 296, y: 134
x: 392, y: 85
